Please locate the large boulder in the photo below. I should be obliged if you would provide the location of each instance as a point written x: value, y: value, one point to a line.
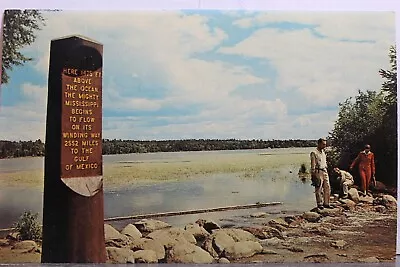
x: 145, y: 256
x: 131, y: 231
x: 150, y: 225
x: 330, y: 212
x: 113, y: 238
x: 367, y: 199
x: 348, y: 204
x: 264, y: 232
x: 237, y: 234
x: 242, y: 249
x: 222, y: 239
x: 208, y: 225
x: 27, y: 245
x: 119, y: 255
x: 278, y: 221
x: 387, y: 201
x: 197, y: 231
x: 172, y: 236
x: 148, y: 244
x: 188, y: 253
x: 311, y: 216
x: 353, y: 195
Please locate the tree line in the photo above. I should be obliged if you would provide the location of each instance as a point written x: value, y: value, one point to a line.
x: 14, y: 149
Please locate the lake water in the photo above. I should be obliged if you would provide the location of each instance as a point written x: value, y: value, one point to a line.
x: 194, y: 193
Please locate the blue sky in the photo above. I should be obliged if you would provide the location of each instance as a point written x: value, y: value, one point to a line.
x: 210, y: 74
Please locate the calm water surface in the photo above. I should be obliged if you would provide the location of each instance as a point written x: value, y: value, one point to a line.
x: 199, y: 192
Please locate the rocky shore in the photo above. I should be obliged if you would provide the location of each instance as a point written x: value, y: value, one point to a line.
x: 358, y: 229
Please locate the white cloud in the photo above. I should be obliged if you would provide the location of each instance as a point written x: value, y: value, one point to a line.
x: 322, y: 69
x: 340, y: 25
x: 159, y: 48
x: 25, y: 121
x: 154, y: 46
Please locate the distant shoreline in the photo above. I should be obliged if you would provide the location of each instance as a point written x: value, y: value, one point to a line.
x: 23, y: 149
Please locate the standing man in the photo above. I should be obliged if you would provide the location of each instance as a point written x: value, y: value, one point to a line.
x: 345, y: 179
x: 319, y: 175
x: 366, y: 167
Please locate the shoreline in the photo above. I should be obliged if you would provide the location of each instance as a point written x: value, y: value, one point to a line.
x: 354, y: 231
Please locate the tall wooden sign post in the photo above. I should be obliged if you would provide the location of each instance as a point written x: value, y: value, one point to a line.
x: 73, y: 209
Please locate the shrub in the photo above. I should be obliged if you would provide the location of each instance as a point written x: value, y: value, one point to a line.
x: 303, y: 169
x: 28, y: 227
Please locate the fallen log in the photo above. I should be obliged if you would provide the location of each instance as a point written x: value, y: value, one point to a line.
x: 177, y: 213
x: 186, y: 212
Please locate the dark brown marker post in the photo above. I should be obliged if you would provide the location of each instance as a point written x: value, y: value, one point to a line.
x: 73, y: 209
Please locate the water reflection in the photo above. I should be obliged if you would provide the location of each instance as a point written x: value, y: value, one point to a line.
x: 196, y: 193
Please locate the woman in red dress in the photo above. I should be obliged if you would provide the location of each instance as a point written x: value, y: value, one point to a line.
x: 366, y: 167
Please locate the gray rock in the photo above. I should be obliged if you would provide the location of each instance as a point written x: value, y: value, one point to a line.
x: 25, y: 245
x: 271, y: 242
x: 113, y: 238
x: 389, y: 201
x: 380, y: 208
x: 311, y: 216
x: 353, y: 195
x: 348, y: 204
x: 148, y: 244
x: 208, y: 245
x: 367, y: 199
x: 237, y: 234
x: 188, y: 253
x: 110, y: 233
x: 295, y: 249
x: 197, y: 231
x: 317, y: 255
x: 120, y: 255
x: 208, y: 225
x: 264, y: 232
x: 293, y: 220
x: 340, y: 244
x: 279, y: 227
x: 172, y: 236
x: 243, y: 249
x: 369, y: 260
x: 224, y: 261
x: 278, y: 221
x: 221, y: 241
x: 259, y: 215
x: 150, y: 225
x: 145, y: 256
x: 131, y: 231
x: 267, y: 251
x: 330, y: 212
x: 297, y: 232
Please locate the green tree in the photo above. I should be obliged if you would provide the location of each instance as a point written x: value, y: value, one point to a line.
x: 19, y: 30
x: 370, y: 117
x: 389, y: 125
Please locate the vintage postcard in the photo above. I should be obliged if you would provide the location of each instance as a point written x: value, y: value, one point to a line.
x: 198, y: 136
